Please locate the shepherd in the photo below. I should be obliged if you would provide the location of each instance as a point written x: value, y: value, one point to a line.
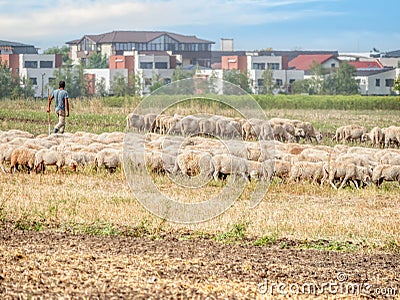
x: 62, y: 106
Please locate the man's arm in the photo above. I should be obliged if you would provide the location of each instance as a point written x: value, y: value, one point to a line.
x: 48, y: 105
x: 66, y: 107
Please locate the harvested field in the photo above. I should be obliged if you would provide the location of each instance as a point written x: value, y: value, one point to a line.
x: 63, y: 265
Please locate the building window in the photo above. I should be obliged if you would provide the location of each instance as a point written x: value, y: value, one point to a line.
x: 258, y: 66
x: 161, y: 65
x: 146, y: 65
x: 279, y: 82
x: 31, y: 64
x: 333, y: 65
x: 33, y: 80
x: 147, y: 81
x: 46, y: 64
x: 273, y: 66
x: 377, y: 82
x: 167, y: 80
x: 260, y: 82
x: 291, y: 81
x: 389, y: 82
x: 51, y: 80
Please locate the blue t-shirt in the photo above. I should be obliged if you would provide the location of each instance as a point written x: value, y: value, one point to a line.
x: 60, y: 96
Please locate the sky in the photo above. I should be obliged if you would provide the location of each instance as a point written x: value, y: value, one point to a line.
x: 342, y: 25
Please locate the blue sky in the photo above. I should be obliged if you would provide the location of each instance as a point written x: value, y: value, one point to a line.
x: 343, y: 25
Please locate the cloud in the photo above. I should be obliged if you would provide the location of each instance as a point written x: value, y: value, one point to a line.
x: 76, y: 17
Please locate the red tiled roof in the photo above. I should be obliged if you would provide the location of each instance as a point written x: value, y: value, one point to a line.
x: 366, y: 64
x: 304, y: 62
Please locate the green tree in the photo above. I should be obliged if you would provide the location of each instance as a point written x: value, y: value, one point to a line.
x: 119, y: 86
x: 64, y: 51
x: 157, y: 82
x: 397, y: 84
x: 5, y: 80
x: 101, y: 90
x: 267, y: 82
x: 237, y: 78
x: 342, y: 81
x: 97, y: 61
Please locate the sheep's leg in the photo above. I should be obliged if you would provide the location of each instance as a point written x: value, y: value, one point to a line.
x: 345, y: 179
x: 215, y: 175
x: 356, y: 184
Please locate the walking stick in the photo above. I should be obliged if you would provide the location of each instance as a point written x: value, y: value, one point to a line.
x: 48, y: 114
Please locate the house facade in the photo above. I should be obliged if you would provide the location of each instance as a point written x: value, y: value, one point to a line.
x: 38, y: 68
x: 189, y: 50
x: 148, y: 67
x: 378, y: 82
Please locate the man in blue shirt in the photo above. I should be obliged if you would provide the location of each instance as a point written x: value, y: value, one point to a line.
x: 62, y: 106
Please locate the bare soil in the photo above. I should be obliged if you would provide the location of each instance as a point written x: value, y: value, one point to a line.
x: 54, y: 265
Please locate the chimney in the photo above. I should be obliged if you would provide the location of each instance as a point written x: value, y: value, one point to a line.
x: 226, y: 44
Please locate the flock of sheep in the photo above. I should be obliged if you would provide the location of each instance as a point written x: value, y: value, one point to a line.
x: 81, y: 149
x: 275, y: 153
x: 214, y: 146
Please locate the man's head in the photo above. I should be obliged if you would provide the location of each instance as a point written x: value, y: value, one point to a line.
x: 61, y: 84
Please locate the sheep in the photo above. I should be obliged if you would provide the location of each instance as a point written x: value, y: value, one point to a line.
x: 230, y: 165
x: 314, y: 155
x: 24, y: 157
x: 173, y: 125
x: 261, y: 170
x: 230, y: 129
x: 149, y: 121
x: 359, y: 160
x: 251, y: 129
x: 354, y: 132
x: 339, y: 134
x: 385, y: 172
x: 281, y: 169
x: 282, y: 135
x: 392, y: 136
x: 390, y: 158
x: 109, y: 158
x: 190, y: 125
x: 207, y: 126
x: 135, y: 121
x: 47, y: 157
x: 305, y: 170
x: 5, y: 155
x: 376, y: 136
x: 345, y: 172
x: 310, y: 132
x: 193, y: 163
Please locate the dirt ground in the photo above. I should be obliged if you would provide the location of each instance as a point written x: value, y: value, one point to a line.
x: 54, y: 265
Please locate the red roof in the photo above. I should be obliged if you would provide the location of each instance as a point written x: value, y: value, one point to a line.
x: 366, y: 64
x: 304, y: 61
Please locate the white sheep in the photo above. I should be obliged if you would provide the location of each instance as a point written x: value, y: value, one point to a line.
x: 47, y: 157
x: 386, y: 172
x: 345, y: 172
x: 230, y: 165
x: 109, y: 158
x: 304, y: 170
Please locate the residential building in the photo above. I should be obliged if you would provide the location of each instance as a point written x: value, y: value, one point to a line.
x: 7, y: 47
x: 305, y: 61
x: 189, y: 50
x: 147, y: 66
x: 39, y: 68
x: 376, y: 82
